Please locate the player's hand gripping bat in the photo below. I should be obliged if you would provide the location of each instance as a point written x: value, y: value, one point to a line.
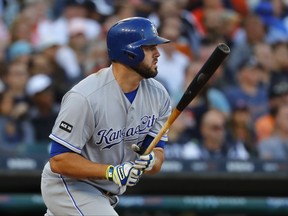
x: 201, y: 78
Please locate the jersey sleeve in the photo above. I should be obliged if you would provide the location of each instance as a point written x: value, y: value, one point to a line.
x: 75, y: 124
x: 57, y: 149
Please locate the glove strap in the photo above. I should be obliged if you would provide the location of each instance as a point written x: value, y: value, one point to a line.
x: 109, y: 172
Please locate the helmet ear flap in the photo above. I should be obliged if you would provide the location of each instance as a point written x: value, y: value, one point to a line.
x: 133, y: 56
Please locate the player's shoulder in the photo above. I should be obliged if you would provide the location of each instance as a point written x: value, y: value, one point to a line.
x: 154, y: 85
x: 93, y: 82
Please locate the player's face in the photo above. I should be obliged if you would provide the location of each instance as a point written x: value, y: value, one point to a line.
x: 148, y: 67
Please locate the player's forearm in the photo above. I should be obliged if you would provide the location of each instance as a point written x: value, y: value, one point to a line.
x: 159, y: 155
x: 75, y: 166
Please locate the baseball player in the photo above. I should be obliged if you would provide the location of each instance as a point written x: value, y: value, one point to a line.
x: 91, y: 159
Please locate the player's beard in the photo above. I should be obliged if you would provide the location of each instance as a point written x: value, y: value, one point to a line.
x: 145, y: 70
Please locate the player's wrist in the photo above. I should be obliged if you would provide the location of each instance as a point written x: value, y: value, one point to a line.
x: 109, y: 173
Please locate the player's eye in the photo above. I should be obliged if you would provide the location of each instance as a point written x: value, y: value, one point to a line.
x: 149, y: 48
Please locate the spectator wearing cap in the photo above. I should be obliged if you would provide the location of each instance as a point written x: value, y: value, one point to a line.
x: 248, y: 89
x: 15, y: 129
x: 278, y: 96
x: 20, y: 51
x: 44, y: 109
x: 275, y: 147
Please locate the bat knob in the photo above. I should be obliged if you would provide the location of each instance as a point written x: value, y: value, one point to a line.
x: 135, y: 148
x: 224, y: 48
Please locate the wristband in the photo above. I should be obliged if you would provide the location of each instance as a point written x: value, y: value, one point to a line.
x: 109, y: 173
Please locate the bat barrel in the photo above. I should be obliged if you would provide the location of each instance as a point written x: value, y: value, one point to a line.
x: 201, y: 78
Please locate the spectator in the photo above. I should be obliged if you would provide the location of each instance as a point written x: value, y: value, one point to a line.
x: 241, y: 128
x: 220, y: 25
x: 177, y: 9
x: 60, y: 26
x: 20, y: 51
x: 280, y: 55
x: 209, y: 97
x: 35, y: 13
x: 97, y: 57
x: 199, y: 13
x: 278, y: 96
x: 77, y: 40
x: 124, y: 9
x: 179, y: 137
x: 276, y: 146
x: 172, y: 63
x: 271, y: 13
x: 39, y: 64
x: 50, y: 49
x: 214, y: 143
x: 249, y: 89
x: 180, y: 42
x: 16, y: 131
x: 264, y: 55
x: 252, y: 32
x: 21, y: 29
x: 44, y: 109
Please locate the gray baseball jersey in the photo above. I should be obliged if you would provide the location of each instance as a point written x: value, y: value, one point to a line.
x: 97, y: 121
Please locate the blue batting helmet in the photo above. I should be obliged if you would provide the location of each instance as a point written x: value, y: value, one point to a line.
x: 125, y: 38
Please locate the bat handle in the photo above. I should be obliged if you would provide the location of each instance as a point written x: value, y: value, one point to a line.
x: 163, y: 130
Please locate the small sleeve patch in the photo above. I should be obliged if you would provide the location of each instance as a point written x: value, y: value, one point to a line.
x: 66, y: 127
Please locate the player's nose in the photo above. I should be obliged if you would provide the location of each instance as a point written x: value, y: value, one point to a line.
x: 156, y: 53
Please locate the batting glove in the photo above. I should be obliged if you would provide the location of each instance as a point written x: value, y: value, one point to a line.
x: 123, y: 174
x: 145, y: 162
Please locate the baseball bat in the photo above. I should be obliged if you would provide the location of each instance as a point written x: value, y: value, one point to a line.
x: 201, y: 78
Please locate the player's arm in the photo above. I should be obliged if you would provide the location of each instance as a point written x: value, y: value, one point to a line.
x: 75, y: 166
x: 159, y: 159
x: 66, y: 162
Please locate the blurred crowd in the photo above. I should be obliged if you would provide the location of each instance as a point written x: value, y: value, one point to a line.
x: 46, y: 46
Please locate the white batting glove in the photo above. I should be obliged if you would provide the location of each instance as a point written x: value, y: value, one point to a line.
x: 123, y: 174
x: 145, y: 162
x: 134, y: 177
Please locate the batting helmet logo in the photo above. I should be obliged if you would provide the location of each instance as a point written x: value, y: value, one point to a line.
x: 125, y: 38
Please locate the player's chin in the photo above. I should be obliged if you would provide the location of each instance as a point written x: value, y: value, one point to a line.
x: 151, y: 73
x: 155, y: 72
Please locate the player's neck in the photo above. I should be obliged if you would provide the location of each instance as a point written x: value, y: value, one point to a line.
x: 127, y: 79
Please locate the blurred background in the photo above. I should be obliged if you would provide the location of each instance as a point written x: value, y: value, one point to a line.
x: 227, y: 152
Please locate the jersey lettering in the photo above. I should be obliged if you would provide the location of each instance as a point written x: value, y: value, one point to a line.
x: 113, y: 137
